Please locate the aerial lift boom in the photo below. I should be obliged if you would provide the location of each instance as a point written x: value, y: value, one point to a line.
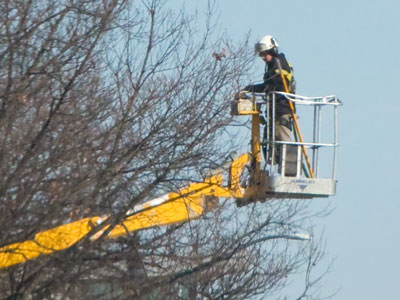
x: 192, y: 201
x: 187, y: 204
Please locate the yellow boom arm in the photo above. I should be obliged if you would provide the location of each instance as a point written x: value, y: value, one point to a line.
x: 187, y: 204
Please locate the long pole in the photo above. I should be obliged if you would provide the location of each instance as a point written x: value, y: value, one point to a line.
x: 296, y: 123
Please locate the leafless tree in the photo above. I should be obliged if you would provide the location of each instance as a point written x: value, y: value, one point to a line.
x: 105, y: 104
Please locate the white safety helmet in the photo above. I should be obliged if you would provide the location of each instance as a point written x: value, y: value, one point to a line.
x: 267, y: 44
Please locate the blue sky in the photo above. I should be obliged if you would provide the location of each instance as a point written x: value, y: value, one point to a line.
x: 349, y: 48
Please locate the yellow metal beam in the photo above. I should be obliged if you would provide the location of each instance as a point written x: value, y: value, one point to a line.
x: 46, y: 242
x: 255, y: 149
x: 187, y: 204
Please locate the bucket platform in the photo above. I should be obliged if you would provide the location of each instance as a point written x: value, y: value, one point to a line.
x: 300, y: 168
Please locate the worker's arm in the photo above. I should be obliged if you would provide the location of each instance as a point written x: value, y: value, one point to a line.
x: 255, y: 88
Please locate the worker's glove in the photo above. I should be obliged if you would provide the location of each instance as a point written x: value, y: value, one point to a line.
x: 248, y: 88
x: 241, y: 95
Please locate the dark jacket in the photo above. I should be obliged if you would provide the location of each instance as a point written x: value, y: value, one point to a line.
x: 273, y: 82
